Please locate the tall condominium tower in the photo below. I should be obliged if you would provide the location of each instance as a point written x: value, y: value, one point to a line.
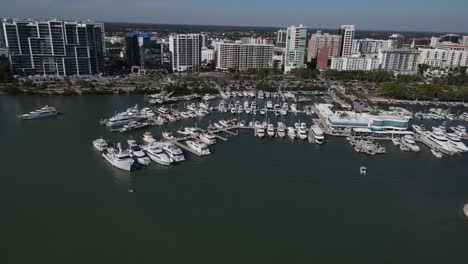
x: 186, y: 51
x: 144, y: 50
x: 281, y: 37
x: 320, y: 40
x: 295, y: 47
x: 347, y: 37
x: 244, y: 56
x: 397, y: 41
x: 53, y: 47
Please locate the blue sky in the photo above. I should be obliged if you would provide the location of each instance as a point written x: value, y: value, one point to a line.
x: 424, y: 15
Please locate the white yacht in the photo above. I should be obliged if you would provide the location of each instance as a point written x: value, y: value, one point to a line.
x: 137, y: 153
x: 411, y: 143
x: 459, y: 130
x: 456, y: 142
x: 174, y: 152
x: 45, y: 111
x: 260, y: 130
x: 419, y: 129
x: 317, y: 134
x: 191, y: 130
x: 281, y: 130
x: 156, y: 154
x: 302, y: 131
x: 183, y: 132
x: 291, y: 133
x: 208, y: 139
x: 436, y: 153
x: 148, y: 137
x: 199, y: 147
x: 271, y: 130
x: 168, y: 135
x: 133, y: 125
x: 269, y: 105
x: 100, y: 144
x: 438, y: 141
x: 147, y: 112
x: 262, y: 111
x: 118, y: 158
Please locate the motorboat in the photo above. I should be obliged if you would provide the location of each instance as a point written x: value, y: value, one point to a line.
x: 271, y: 130
x: 191, y: 130
x: 137, y: 153
x: 456, y: 142
x: 438, y: 141
x: 168, y: 135
x: 156, y: 154
x: 419, y: 129
x: 269, y: 105
x: 260, y: 131
x: 281, y: 130
x: 183, y: 132
x: 199, y: 147
x: 302, y: 131
x: 217, y: 125
x: 203, y: 105
x: 100, y: 144
x: 208, y: 139
x: 317, y: 134
x: 163, y: 110
x: 262, y: 111
x: 174, y: 152
x: 436, y: 153
x: 124, y: 118
x: 133, y: 125
x: 45, y: 111
x: 224, y: 123
x: 291, y: 133
x: 147, y: 112
x: 409, y: 141
x: 363, y: 170
x: 459, y: 130
x: 396, y: 141
x: 148, y: 137
x: 119, y: 158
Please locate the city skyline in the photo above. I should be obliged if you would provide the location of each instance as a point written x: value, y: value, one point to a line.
x: 398, y: 15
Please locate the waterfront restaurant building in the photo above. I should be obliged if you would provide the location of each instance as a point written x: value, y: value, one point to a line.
x: 345, y: 121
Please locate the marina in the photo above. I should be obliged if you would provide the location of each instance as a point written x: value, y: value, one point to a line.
x: 264, y: 187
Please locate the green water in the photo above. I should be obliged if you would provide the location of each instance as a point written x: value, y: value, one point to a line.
x: 252, y: 201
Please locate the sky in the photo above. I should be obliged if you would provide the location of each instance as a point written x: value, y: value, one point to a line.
x: 419, y: 15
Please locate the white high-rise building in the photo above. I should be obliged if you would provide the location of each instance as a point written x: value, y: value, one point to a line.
x: 244, y: 56
x: 370, y: 46
x: 403, y: 60
x: 464, y: 40
x: 443, y: 58
x: 295, y: 48
x: 354, y: 63
x: 186, y: 50
x: 208, y: 55
x: 347, y: 36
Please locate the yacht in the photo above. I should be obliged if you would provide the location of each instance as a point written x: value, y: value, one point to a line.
x: 459, y: 130
x: 269, y: 105
x: 174, y: 152
x: 118, y: 158
x: 411, y: 143
x: 260, y: 130
x: 260, y: 95
x: 163, y: 110
x: 183, y: 132
x: 199, y: 147
x: 168, y: 135
x: 137, y: 153
x: 262, y: 111
x: 363, y: 170
x: 396, y: 141
x: 271, y: 130
x: 242, y: 123
x: 208, y: 139
x: 148, y: 137
x: 45, y: 111
x: 100, y: 144
x: 302, y: 131
x: 203, y: 105
x: 291, y: 133
x: 436, y: 153
x: 438, y: 141
x: 156, y: 154
x: 248, y: 110
x: 191, y: 130
x: 133, y: 125
x: 281, y: 130
x: 124, y: 118
x: 456, y: 142
x: 317, y: 134
x: 147, y: 112
x: 419, y: 129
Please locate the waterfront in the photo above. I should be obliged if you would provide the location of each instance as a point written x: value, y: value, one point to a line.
x: 252, y: 201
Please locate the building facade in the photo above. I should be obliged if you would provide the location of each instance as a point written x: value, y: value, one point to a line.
x: 53, y: 47
x: 320, y: 40
x: 208, y: 55
x: 281, y: 38
x: 295, y: 48
x: 185, y: 51
x: 354, y: 63
x: 144, y: 50
x: 402, y: 60
x: 397, y: 41
x: 347, y: 36
x: 441, y: 58
x: 370, y: 46
x: 244, y: 56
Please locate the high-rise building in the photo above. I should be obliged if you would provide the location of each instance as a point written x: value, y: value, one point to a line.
x: 320, y: 40
x: 208, y: 55
x: 244, y: 56
x: 144, y: 50
x: 442, y: 58
x: 354, y: 63
x: 464, y: 40
x: 370, y: 46
x: 323, y: 58
x: 295, y: 47
x: 186, y: 51
x: 347, y: 36
x: 281, y: 38
x: 259, y: 41
x: 397, y: 41
x: 403, y: 60
x: 53, y: 47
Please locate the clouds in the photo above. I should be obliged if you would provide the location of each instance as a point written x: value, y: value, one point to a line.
x: 369, y: 14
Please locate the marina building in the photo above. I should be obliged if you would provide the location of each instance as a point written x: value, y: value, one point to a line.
x: 185, y: 51
x: 244, y: 56
x: 53, y: 47
x: 345, y: 121
x: 347, y: 36
x: 295, y: 48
